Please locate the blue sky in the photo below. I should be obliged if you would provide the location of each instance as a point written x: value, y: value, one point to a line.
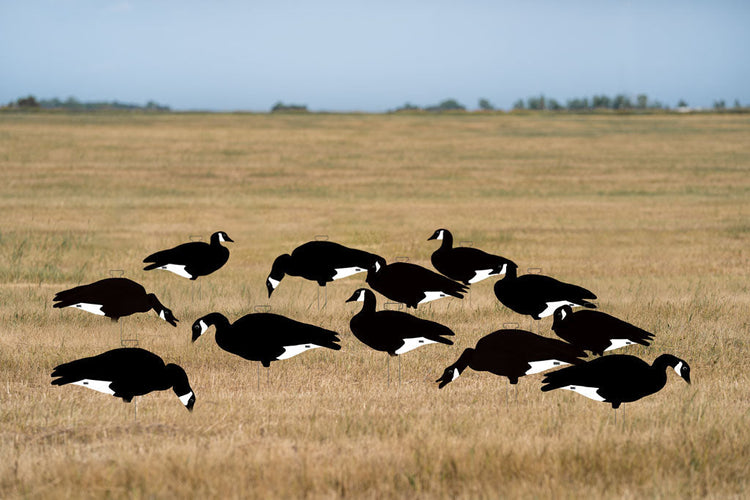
x: 372, y: 56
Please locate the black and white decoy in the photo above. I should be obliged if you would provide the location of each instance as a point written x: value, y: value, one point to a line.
x: 513, y: 354
x: 265, y: 337
x: 194, y: 259
x: 411, y: 284
x: 617, y: 378
x: 126, y: 373
x: 465, y: 264
x: 113, y: 298
x: 596, y: 331
x: 537, y: 295
x: 319, y: 261
x: 393, y: 332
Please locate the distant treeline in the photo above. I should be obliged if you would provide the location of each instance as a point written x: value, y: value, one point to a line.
x: 73, y: 104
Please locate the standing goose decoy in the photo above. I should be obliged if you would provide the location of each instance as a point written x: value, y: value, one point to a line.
x: 265, y: 337
x: 597, y: 331
x: 113, y: 298
x: 126, y: 373
x: 320, y: 261
x: 411, y: 284
x: 513, y: 354
x: 193, y: 259
x: 465, y: 264
x: 537, y: 295
x: 617, y: 378
x: 393, y: 332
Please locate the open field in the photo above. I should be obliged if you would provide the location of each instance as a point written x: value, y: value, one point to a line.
x: 652, y: 213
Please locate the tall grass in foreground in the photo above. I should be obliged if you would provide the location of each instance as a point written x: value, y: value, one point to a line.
x: 651, y: 213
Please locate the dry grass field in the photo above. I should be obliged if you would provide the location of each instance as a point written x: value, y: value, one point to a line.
x: 652, y: 213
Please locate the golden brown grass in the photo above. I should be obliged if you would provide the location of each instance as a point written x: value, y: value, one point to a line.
x: 650, y: 212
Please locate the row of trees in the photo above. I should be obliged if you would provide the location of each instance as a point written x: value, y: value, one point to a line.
x: 73, y: 104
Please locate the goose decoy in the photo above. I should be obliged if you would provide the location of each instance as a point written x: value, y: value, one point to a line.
x: 411, y: 284
x: 113, y: 298
x: 597, y: 331
x: 265, y: 337
x: 464, y: 264
x: 125, y: 373
x: 320, y: 261
x: 193, y: 259
x: 513, y: 354
x: 617, y: 378
x: 537, y: 295
x: 393, y: 332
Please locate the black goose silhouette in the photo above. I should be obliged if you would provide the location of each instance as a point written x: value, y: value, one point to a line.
x: 597, y: 331
x: 265, y: 337
x: 411, y: 284
x: 193, y: 259
x: 537, y: 295
x: 512, y: 354
x: 617, y: 378
x: 113, y: 298
x: 126, y: 373
x: 464, y: 264
x: 319, y: 261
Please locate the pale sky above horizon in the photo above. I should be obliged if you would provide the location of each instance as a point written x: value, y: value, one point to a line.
x: 372, y: 56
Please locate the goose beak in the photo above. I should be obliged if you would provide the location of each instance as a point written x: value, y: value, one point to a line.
x: 229, y: 239
x: 354, y: 297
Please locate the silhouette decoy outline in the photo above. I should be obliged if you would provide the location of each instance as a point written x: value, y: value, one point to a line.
x: 192, y: 260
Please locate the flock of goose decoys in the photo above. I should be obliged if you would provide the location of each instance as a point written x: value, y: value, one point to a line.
x: 265, y: 337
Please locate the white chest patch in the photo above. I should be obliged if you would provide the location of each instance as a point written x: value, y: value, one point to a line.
x: 413, y: 343
x: 343, y: 272
x: 430, y: 296
x: 618, y: 343
x: 95, y: 385
x: 92, y: 308
x: 274, y: 283
x: 292, y: 350
x: 552, y: 306
x: 482, y: 274
x: 185, y: 398
x: 540, y: 366
x: 178, y: 269
x: 589, y: 392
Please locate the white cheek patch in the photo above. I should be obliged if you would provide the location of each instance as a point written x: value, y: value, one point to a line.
x: 204, y: 327
x: 540, y: 366
x: 292, y: 350
x: 185, y: 398
x: 481, y: 274
x: 361, y: 297
x: 274, y: 283
x: 589, y: 392
x: 618, y: 343
x: 343, y: 272
x: 430, y: 296
x: 92, y: 308
x: 413, y: 343
x: 162, y: 315
x: 552, y: 306
x: 377, y: 266
x: 678, y: 368
x: 178, y: 269
x: 440, y: 235
x: 455, y: 374
x: 221, y: 238
x: 563, y: 313
x: 95, y: 385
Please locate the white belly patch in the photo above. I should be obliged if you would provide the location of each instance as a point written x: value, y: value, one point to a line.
x: 343, y: 272
x: 413, y: 343
x: 589, y: 392
x: 618, y: 343
x: 92, y: 308
x: 482, y: 274
x: 430, y: 296
x: 95, y: 385
x: 293, y: 350
x: 540, y: 366
x: 552, y: 306
x: 178, y: 269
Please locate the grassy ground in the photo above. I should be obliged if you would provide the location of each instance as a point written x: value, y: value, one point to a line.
x: 651, y: 213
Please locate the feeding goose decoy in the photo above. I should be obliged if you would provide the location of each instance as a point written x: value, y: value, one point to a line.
x: 411, y: 284
x: 617, y: 378
x: 465, y: 264
x: 319, y: 261
x: 113, y: 298
x: 193, y: 259
x: 596, y: 331
x: 513, y: 354
x: 537, y: 295
x: 393, y: 332
x: 125, y: 373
